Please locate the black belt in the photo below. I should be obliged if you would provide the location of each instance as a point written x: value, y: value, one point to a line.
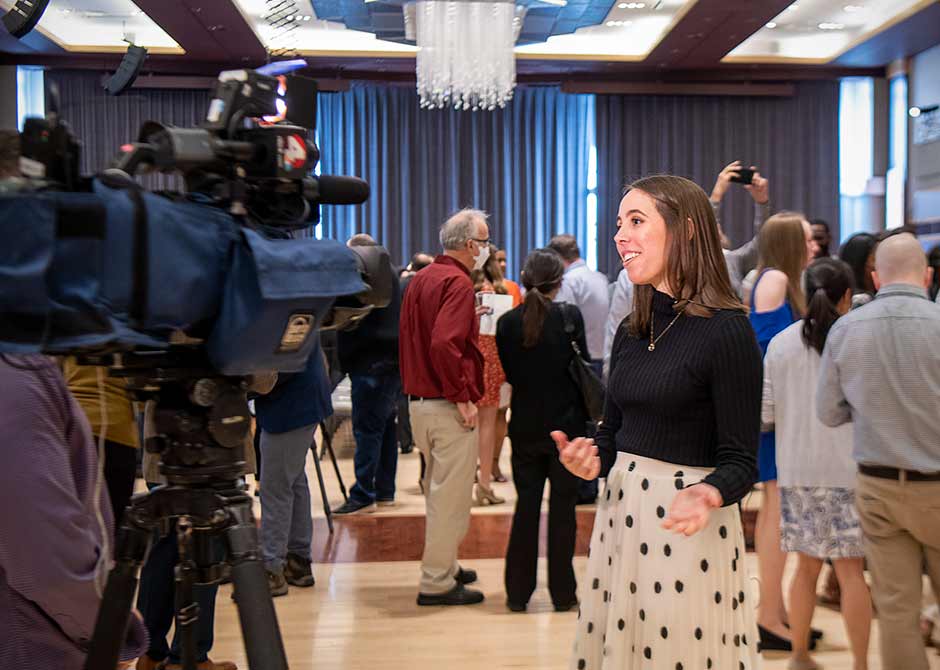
x: 418, y: 397
x: 894, y: 473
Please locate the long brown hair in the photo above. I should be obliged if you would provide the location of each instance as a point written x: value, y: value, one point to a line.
x: 695, y: 265
x: 491, y: 273
x: 541, y: 275
x: 782, y: 246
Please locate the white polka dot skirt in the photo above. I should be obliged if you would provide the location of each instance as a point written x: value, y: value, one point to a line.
x: 655, y: 600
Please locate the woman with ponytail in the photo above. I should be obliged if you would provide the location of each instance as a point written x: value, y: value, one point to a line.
x: 536, y: 351
x: 815, y: 469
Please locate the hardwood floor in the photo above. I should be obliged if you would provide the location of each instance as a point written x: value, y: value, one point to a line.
x: 363, y: 616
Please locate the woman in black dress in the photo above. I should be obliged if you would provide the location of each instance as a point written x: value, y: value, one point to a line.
x: 668, y: 587
x: 535, y: 352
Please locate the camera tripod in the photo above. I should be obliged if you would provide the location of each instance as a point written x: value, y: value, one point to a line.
x: 200, y: 421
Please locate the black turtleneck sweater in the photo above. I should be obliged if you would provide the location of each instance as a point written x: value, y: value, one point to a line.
x: 693, y: 401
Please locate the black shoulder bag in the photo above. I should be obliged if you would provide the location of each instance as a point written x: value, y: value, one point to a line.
x: 587, y: 381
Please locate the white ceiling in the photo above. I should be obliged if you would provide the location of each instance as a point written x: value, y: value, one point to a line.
x: 101, y: 25
x: 821, y: 30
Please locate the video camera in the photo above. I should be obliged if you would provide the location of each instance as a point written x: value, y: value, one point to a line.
x: 187, y: 297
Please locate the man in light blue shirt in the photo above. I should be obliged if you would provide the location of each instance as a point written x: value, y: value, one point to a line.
x: 587, y: 289
x: 621, y: 305
x: 881, y: 371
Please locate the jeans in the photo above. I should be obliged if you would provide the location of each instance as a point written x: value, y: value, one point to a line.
x: 286, y: 523
x: 374, y: 403
x: 156, y: 600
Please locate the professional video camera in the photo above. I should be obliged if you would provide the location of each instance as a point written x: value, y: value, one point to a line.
x: 188, y: 297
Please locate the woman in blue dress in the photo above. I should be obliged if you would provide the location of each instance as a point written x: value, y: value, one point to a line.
x: 786, y: 247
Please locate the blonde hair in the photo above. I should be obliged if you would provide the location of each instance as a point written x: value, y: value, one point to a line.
x: 782, y: 246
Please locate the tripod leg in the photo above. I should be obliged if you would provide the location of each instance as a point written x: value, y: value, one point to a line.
x: 326, y: 501
x: 187, y: 610
x: 263, y: 643
x: 328, y: 445
x: 115, y: 612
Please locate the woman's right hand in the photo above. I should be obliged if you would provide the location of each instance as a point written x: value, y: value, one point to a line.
x: 579, y: 456
x: 724, y: 181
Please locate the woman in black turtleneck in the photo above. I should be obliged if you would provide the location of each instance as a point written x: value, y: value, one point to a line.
x: 667, y: 582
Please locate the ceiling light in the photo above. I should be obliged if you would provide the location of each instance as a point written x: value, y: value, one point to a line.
x: 914, y: 112
x: 622, y: 5
x: 611, y: 24
x: 557, y: 3
x: 307, y: 18
x: 793, y: 7
x: 771, y: 25
x: 831, y: 26
x: 851, y: 8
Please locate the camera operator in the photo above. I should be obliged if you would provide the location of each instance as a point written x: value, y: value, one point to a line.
x: 56, y: 526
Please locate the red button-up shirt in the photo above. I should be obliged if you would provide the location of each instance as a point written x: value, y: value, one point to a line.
x: 438, y: 334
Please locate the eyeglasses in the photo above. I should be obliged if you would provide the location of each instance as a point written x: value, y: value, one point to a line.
x: 486, y: 241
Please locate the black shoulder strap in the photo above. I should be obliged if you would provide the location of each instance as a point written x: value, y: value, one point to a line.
x: 141, y: 251
x: 566, y: 316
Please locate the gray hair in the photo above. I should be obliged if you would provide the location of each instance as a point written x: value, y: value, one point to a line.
x: 460, y: 228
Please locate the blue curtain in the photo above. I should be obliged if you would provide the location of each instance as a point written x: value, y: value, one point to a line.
x: 526, y: 165
x: 793, y: 141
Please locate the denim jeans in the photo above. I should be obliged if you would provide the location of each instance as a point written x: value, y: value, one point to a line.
x: 286, y: 523
x: 156, y: 601
x: 374, y: 403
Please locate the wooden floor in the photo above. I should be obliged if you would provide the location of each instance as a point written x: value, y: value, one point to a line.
x: 362, y: 611
x: 363, y: 616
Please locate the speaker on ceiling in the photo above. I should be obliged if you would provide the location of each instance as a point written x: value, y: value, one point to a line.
x: 24, y: 16
x: 127, y: 71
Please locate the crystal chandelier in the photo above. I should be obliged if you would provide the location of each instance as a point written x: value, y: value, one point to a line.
x: 465, y: 52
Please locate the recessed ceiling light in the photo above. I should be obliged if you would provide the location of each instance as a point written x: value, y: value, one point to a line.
x: 622, y: 5
x: 851, y: 8
x: 771, y: 25
x: 831, y: 26
x: 307, y: 18
x: 611, y: 24
x: 793, y: 7
x: 914, y: 112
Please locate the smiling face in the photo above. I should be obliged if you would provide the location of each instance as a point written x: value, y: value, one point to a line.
x: 641, y: 240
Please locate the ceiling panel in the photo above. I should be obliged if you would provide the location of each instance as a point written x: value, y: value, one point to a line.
x: 100, y: 26
x: 818, y: 31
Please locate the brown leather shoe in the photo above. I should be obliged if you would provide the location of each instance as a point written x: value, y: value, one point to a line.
x: 207, y: 665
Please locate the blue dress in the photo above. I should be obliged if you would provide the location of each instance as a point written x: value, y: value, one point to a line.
x: 766, y: 325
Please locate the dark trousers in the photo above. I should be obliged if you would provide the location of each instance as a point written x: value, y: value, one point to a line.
x: 156, y: 601
x: 120, y: 471
x: 531, y: 466
x: 374, y: 403
x: 403, y: 424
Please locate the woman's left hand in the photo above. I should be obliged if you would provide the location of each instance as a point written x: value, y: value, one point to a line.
x: 691, y: 509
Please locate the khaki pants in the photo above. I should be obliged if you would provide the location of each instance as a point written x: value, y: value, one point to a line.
x: 450, y: 451
x: 901, y: 523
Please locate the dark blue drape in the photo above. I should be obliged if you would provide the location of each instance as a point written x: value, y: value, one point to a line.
x: 525, y: 165
x: 794, y: 142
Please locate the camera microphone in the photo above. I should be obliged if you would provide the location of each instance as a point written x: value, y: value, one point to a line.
x: 332, y: 190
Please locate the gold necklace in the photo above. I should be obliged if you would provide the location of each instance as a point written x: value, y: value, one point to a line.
x: 652, y: 346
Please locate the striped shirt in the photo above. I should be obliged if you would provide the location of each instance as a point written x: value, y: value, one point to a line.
x: 50, y: 541
x: 881, y: 371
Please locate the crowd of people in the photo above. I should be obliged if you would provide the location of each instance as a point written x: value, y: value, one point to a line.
x: 815, y: 375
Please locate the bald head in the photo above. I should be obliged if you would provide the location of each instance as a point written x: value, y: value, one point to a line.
x: 900, y: 259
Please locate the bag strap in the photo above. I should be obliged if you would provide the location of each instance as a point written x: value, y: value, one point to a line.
x: 138, y: 308
x: 569, y: 326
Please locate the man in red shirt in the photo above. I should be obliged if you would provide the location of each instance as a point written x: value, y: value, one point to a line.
x: 442, y: 374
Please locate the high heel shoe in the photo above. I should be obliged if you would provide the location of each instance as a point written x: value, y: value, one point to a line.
x: 483, y: 496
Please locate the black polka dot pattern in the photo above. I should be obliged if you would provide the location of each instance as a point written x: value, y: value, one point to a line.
x: 645, y: 484
x: 664, y: 632
x: 717, y: 597
x: 581, y: 664
x: 660, y: 512
x: 679, y: 485
x: 648, y: 653
x: 679, y: 586
x: 644, y: 549
x: 621, y: 624
x: 698, y: 633
x: 658, y: 587
x: 704, y: 565
x: 632, y: 587
x: 629, y: 521
x: 667, y: 550
x: 723, y: 531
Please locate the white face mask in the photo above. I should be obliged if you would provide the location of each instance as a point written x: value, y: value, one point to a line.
x: 480, y: 261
